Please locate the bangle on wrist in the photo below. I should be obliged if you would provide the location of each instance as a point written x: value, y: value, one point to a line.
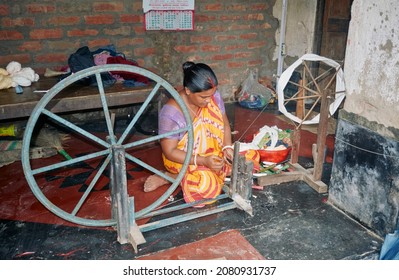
x: 227, y: 147
x: 195, y: 159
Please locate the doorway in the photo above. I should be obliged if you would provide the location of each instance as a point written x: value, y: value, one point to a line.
x: 332, y: 24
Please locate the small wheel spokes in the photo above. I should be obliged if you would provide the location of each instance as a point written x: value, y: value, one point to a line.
x: 316, y: 80
x: 313, y: 79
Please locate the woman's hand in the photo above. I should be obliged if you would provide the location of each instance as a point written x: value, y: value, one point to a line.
x: 287, y: 141
x: 228, y: 154
x: 213, y: 162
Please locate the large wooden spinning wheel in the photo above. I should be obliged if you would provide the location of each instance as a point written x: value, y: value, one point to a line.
x: 99, y: 152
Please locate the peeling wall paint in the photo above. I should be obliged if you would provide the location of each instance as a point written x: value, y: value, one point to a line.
x: 372, y: 62
x: 365, y: 173
x: 300, y: 29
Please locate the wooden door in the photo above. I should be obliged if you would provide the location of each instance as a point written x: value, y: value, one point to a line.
x: 335, y: 24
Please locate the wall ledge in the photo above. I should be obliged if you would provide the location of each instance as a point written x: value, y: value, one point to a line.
x: 389, y: 132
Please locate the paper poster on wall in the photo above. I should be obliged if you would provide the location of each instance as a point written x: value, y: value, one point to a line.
x: 168, y: 14
x: 165, y: 5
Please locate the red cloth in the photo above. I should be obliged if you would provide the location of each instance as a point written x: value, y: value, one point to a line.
x: 126, y: 75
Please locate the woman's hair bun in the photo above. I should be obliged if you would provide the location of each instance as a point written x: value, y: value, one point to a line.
x: 198, y: 76
x: 188, y: 65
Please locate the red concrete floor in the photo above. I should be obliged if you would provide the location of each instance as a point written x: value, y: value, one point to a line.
x: 19, y: 205
x: 228, y: 245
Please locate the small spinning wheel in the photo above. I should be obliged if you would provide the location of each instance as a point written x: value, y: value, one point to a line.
x: 318, y: 77
x: 98, y: 151
x: 321, y: 84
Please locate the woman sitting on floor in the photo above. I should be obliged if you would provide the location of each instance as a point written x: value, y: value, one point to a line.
x: 207, y: 170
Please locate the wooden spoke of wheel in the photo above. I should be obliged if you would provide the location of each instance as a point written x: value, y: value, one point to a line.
x: 304, y: 88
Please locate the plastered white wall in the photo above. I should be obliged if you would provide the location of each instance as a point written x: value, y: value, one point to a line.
x: 300, y: 28
x: 372, y: 62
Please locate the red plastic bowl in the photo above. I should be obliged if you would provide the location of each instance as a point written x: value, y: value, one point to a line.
x: 275, y: 156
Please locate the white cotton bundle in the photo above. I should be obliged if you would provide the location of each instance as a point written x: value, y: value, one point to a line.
x: 21, y: 76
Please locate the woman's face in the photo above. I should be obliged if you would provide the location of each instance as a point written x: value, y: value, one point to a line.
x: 201, y: 99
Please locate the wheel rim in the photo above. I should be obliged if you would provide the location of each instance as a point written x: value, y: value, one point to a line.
x: 103, y: 154
x: 334, y: 71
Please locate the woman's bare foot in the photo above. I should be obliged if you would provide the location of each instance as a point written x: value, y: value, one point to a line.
x: 153, y: 182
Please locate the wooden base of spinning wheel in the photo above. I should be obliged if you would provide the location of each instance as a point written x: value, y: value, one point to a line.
x: 296, y: 173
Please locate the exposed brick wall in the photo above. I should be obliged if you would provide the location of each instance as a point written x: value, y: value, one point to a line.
x: 231, y: 36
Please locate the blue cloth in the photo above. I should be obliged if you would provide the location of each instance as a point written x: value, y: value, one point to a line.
x: 390, y: 248
x: 133, y: 83
x: 109, y: 48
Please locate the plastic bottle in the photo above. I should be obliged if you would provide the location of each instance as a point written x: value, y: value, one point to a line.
x: 12, y: 130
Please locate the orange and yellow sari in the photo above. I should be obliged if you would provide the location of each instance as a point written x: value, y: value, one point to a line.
x: 201, y: 182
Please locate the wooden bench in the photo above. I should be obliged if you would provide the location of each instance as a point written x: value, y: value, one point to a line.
x: 75, y: 97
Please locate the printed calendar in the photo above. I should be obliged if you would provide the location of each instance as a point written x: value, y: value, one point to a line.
x: 168, y: 14
x: 169, y: 20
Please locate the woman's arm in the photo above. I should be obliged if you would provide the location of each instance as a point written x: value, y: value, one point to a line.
x: 171, y: 152
x: 227, y: 131
x: 228, y: 153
